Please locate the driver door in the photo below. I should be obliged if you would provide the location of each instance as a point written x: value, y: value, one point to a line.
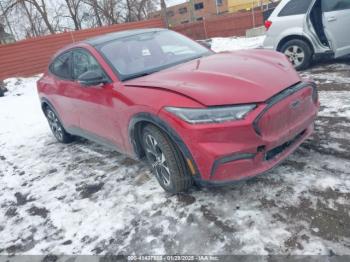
x: 97, y: 119
x: 336, y: 20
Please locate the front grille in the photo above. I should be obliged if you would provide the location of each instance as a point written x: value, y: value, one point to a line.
x: 281, y: 96
x: 271, y: 154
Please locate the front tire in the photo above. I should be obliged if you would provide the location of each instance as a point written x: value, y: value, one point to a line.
x: 298, y: 52
x: 166, y: 160
x: 56, y: 126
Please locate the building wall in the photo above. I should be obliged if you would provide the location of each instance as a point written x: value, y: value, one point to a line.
x: 177, y: 16
x: 238, y: 5
x: 234, y: 24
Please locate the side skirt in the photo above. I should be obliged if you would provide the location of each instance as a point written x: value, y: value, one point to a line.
x: 77, y: 131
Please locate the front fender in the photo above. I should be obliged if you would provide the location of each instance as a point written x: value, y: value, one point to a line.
x: 135, y: 135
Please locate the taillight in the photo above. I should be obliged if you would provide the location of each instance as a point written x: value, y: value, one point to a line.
x: 268, y: 24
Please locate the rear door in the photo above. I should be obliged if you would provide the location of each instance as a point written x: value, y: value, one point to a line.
x: 336, y: 20
x: 61, y: 94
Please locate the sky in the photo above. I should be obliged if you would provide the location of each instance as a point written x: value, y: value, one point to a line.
x: 174, y: 2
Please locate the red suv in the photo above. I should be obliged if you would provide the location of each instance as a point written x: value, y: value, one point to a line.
x: 192, y: 114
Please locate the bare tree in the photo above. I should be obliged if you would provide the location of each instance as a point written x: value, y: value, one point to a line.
x: 73, y: 7
x: 33, y: 30
x: 95, y: 8
x: 38, y: 17
x: 137, y: 10
x: 108, y: 11
x: 39, y: 6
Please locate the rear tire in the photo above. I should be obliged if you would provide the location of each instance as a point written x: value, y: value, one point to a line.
x: 56, y: 126
x: 166, y: 160
x: 298, y: 52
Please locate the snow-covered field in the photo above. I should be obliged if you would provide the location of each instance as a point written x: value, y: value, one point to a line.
x: 83, y: 198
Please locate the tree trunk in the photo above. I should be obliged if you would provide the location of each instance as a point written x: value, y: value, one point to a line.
x: 43, y: 13
x: 94, y: 5
x: 73, y: 11
x: 34, y: 30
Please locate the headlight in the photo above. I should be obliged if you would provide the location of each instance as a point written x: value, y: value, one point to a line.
x: 211, y: 115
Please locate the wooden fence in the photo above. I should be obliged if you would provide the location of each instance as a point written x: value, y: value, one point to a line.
x: 226, y: 25
x: 31, y: 56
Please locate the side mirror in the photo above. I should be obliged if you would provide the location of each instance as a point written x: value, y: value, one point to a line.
x: 92, y: 78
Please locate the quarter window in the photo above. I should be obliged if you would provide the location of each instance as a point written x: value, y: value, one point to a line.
x: 83, y: 62
x: 335, y: 5
x: 295, y: 7
x: 61, y: 66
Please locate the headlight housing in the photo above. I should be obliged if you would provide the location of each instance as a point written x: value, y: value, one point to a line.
x: 211, y: 115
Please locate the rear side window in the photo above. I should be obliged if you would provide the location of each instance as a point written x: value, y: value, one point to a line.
x: 61, y: 66
x: 335, y: 5
x: 295, y: 7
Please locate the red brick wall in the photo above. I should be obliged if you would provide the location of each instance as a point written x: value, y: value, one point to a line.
x: 221, y: 26
x: 31, y: 56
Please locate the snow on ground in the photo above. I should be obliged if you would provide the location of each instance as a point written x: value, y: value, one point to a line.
x: 83, y: 198
x: 220, y: 44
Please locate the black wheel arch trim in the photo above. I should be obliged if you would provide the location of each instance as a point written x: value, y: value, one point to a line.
x: 288, y: 38
x: 46, y: 101
x: 230, y: 158
x: 165, y: 127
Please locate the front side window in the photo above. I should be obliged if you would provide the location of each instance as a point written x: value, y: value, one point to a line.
x: 61, y: 66
x: 335, y: 5
x: 83, y: 62
x: 295, y: 7
x: 146, y: 53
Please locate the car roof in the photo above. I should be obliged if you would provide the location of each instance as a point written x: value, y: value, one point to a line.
x: 99, y: 40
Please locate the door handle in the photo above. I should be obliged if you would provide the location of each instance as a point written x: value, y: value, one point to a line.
x: 331, y: 19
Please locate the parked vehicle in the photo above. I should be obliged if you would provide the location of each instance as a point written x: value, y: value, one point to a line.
x: 307, y: 29
x: 192, y: 114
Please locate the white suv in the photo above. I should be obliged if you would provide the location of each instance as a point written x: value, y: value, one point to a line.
x: 305, y: 29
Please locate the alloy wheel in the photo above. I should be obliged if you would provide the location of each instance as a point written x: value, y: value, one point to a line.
x: 157, y: 160
x: 55, y: 124
x: 295, y: 54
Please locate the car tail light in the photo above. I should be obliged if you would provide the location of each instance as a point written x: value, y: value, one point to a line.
x: 268, y: 24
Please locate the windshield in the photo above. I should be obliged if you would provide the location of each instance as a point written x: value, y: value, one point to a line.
x: 147, y: 53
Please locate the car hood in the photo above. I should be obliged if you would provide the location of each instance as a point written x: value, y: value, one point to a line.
x: 226, y: 78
